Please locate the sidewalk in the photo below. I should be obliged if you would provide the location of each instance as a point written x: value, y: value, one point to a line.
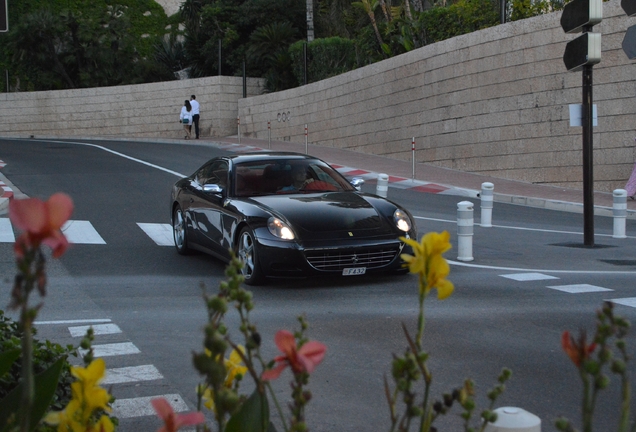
x: 505, y: 191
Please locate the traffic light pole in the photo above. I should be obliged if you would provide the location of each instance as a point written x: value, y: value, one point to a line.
x: 588, y: 160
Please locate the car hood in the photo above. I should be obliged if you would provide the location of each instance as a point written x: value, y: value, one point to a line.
x: 325, y: 212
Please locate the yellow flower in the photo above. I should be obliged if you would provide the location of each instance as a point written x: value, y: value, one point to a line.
x: 234, y: 366
x: 429, y: 264
x: 87, y: 399
x: 235, y: 369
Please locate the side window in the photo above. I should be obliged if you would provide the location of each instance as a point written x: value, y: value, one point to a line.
x: 214, y: 173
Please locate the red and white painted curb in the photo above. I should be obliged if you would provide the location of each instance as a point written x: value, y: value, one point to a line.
x: 5, y: 193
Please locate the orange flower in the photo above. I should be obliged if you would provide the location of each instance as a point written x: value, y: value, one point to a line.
x: 41, y: 222
x: 173, y: 421
x: 304, y: 359
x: 576, y: 351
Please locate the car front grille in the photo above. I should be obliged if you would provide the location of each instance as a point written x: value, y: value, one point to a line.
x: 338, y: 259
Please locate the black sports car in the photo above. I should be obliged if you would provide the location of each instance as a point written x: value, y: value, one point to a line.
x: 287, y: 215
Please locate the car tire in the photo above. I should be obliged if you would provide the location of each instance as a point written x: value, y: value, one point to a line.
x: 246, y: 251
x: 179, y: 231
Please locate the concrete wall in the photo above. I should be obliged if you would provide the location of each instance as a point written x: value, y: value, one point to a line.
x: 143, y: 110
x: 492, y: 102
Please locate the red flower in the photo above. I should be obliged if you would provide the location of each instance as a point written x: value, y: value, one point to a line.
x: 41, y: 222
x: 173, y: 421
x: 576, y: 351
x: 304, y: 359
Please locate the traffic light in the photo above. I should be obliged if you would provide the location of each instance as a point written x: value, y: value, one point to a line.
x: 580, y: 13
x: 4, y: 16
x: 582, y: 51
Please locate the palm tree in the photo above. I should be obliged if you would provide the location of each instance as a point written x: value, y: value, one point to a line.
x: 369, y: 7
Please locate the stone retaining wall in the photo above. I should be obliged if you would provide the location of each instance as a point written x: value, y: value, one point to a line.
x: 493, y: 102
x: 143, y: 110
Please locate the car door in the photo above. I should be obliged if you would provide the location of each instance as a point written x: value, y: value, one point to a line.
x: 207, y: 204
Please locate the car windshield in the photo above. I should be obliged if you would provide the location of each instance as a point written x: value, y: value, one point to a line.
x: 287, y: 176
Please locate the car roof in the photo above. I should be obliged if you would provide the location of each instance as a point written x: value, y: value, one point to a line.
x: 267, y: 156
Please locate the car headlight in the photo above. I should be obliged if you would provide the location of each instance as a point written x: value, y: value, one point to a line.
x: 280, y: 229
x: 402, y: 221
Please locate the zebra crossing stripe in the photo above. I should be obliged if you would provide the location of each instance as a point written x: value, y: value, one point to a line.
x: 113, y: 349
x: 99, y: 329
x: 77, y: 321
x: 579, y: 288
x: 628, y: 301
x: 159, y: 233
x: 523, y: 277
x: 131, y: 374
x: 81, y: 232
x: 139, y: 407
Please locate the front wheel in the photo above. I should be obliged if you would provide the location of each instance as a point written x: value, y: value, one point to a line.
x: 247, y: 253
x: 179, y: 231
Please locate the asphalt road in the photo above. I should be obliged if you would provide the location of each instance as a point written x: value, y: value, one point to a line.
x: 153, y: 295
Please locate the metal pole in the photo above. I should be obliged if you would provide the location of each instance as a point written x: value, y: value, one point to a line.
x: 6, y: 73
x: 588, y: 163
x: 306, y: 144
x: 238, y: 129
x: 219, y: 57
x: 413, y: 156
x: 502, y: 11
x: 305, y: 63
x: 244, y: 81
x: 269, y: 135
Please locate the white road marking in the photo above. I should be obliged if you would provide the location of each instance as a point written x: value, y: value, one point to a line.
x: 131, y: 374
x: 628, y: 301
x: 139, y: 407
x: 114, y: 349
x: 159, y: 233
x: 519, y: 269
x: 6, y: 231
x: 124, y: 156
x: 78, y: 321
x: 99, y: 329
x: 81, y: 232
x: 523, y: 277
x: 454, y: 222
x: 579, y: 288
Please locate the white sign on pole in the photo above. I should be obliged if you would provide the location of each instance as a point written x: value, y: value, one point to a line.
x: 576, y: 115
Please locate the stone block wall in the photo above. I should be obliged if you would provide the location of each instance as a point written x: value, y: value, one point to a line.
x: 493, y: 102
x: 143, y: 110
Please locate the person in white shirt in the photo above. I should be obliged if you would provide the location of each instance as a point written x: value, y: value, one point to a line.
x: 186, y: 118
x: 195, y: 114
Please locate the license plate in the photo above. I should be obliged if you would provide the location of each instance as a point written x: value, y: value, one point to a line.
x: 354, y: 271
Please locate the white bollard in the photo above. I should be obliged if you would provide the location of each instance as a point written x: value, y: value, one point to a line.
x: 620, y: 212
x: 511, y: 419
x: 487, y: 189
x: 383, y: 185
x: 465, y: 224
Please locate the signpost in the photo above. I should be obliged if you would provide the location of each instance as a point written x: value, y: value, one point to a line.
x: 582, y: 54
x: 4, y: 16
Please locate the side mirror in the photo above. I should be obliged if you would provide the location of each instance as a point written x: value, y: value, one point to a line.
x: 212, y: 188
x: 357, y: 182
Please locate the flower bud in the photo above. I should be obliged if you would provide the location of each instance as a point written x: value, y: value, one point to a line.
x: 618, y: 367
x: 602, y: 381
x: 217, y: 304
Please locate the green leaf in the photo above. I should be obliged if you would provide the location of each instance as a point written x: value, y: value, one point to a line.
x: 7, y: 359
x: 253, y: 416
x: 45, y: 385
